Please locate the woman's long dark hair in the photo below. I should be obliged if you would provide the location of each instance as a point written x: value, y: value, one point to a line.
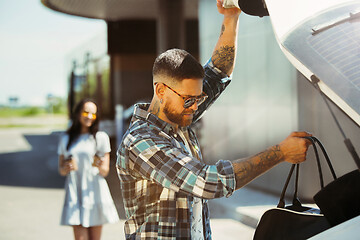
x: 75, y: 128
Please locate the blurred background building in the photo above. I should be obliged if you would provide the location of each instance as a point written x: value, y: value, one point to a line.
x: 267, y: 99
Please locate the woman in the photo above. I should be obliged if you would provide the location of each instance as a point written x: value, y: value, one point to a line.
x: 84, y: 158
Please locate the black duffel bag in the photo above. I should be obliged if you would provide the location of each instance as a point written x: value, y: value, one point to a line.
x: 339, y: 201
x: 295, y: 221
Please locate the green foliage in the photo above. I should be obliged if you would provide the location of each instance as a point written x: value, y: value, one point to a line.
x: 32, y: 111
x: 20, y: 111
x: 56, y: 106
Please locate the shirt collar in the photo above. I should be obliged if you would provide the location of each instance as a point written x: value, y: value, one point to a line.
x: 141, y: 112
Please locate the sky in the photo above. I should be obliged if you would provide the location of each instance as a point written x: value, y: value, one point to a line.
x: 34, y: 42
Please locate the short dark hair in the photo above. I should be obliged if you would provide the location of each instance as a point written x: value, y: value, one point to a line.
x: 178, y: 64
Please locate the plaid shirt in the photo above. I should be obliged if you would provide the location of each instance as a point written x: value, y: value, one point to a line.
x: 159, y: 177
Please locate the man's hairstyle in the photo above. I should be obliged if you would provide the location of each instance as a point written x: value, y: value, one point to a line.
x: 177, y: 64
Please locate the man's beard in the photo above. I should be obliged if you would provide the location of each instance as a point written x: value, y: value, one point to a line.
x: 178, y: 118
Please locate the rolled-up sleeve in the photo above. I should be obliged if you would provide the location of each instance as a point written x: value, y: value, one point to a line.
x: 214, y: 83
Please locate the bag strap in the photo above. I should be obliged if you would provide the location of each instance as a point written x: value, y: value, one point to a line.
x: 296, y: 201
x: 317, y: 161
x: 281, y: 203
x: 326, y: 156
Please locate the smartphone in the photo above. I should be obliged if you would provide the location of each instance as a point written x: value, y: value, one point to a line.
x: 68, y: 158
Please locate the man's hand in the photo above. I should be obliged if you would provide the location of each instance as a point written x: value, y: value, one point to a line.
x: 292, y: 149
x: 295, y: 146
x: 227, y: 11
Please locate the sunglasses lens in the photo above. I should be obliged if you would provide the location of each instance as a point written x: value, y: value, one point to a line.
x: 190, y: 101
x: 201, y: 100
x: 86, y: 114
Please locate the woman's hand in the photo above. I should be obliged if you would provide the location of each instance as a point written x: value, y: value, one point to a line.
x: 66, y: 165
x: 103, y: 164
x: 98, y: 161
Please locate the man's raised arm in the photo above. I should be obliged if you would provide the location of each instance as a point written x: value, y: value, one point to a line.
x: 222, y: 59
x: 223, y: 56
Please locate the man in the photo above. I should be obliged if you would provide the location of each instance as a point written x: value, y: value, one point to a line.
x: 164, y: 181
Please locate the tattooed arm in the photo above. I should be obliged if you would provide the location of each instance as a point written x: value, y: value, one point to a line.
x: 293, y: 149
x: 223, y: 56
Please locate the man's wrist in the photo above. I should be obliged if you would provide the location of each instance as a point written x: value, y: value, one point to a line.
x: 232, y: 16
x: 231, y: 22
x: 276, y: 153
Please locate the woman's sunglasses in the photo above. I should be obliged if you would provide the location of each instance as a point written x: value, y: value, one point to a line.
x: 89, y: 115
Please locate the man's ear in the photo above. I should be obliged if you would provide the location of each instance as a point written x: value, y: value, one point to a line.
x: 159, y: 90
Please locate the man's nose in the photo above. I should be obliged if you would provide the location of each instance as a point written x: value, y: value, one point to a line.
x: 194, y: 107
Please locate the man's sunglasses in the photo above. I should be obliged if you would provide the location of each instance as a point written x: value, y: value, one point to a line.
x: 89, y: 115
x: 189, y: 100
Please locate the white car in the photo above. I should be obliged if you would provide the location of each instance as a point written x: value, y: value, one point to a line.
x: 321, y: 38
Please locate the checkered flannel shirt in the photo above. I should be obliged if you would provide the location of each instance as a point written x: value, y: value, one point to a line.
x: 159, y: 177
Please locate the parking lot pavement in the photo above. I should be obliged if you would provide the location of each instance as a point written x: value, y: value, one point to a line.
x: 34, y: 213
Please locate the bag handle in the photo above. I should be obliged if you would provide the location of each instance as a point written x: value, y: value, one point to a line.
x: 296, y: 201
x: 317, y: 161
x: 326, y: 156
